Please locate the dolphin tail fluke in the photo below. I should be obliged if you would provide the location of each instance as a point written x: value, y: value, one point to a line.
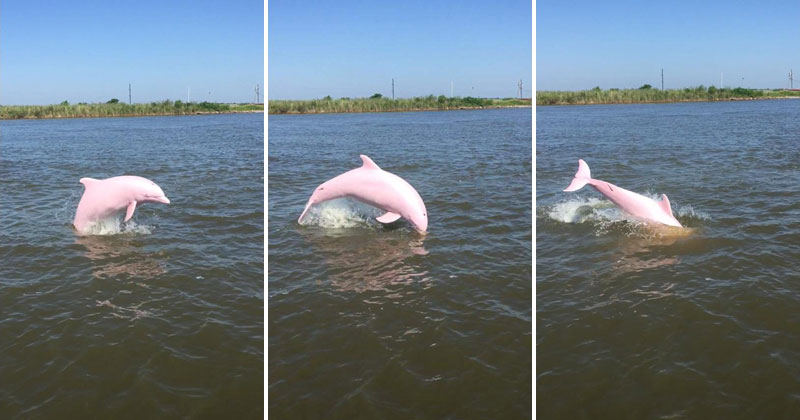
x: 582, y: 177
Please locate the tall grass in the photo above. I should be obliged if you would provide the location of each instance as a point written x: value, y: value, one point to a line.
x: 627, y: 96
x: 65, y: 110
x: 378, y: 104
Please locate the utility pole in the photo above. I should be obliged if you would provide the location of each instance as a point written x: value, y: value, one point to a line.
x: 129, y: 93
x: 258, y: 94
x: 519, y: 85
x: 662, y: 79
x: 392, y: 88
x: 791, y: 80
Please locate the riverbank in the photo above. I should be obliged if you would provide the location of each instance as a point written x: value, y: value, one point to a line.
x: 649, y: 95
x: 117, y: 109
x: 380, y: 104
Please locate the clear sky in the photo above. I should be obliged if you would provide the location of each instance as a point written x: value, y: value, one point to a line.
x: 355, y: 48
x: 625, y: 44
x: 88, y: 51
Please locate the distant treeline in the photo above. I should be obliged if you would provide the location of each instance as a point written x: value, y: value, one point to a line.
x: 114, y: 108
x: 378, y: 103
x: 647, y: 94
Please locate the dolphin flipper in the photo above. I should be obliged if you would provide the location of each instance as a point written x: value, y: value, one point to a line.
x: 129, y: 213
x: 388, y: 217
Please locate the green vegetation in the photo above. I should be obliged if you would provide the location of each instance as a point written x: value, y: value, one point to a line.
x: 646, y: 93
x: 377, y: 103
x: 114, y: 108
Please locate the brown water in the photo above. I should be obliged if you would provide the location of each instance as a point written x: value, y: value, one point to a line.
x: 639, y: 323
x: 159, y: 318
x: 370, y: 322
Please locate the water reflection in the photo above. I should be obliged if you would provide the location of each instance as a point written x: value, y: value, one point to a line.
x: 119, y: 257
x: 361, y: 260
x: 642, y: 251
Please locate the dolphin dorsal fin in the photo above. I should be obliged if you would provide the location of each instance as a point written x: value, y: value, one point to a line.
x: 88, y: 182
x: 368, y: 163
x: 664, y: 204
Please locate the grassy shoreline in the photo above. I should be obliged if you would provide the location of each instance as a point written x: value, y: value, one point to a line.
x: 380, y: 104
x: 116, y: 109
x: 649, y: 95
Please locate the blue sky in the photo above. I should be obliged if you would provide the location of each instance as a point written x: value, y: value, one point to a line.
x: 355, y: 48
x: 88, y: 51
x: 625, y: 44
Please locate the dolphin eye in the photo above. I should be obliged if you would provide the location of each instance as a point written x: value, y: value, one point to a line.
x: 321, y: 188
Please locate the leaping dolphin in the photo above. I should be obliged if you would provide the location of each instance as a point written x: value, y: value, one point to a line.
x: 378, y: 188
x: 632, y: 203
x: 105, y: 197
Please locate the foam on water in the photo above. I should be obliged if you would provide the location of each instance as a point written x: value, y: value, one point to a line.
x: 581, y: 210
x: 115, y: 226
x: 341, y: 213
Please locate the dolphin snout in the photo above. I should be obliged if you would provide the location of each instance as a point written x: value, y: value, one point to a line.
x: 163, y: 199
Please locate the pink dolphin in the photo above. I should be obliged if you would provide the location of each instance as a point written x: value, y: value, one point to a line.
x: 105, y: 197
x: 634, y: 204
x: 378, y: 188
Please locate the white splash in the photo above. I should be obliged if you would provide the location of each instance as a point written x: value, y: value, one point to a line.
x: 580, y: 210
x: 341, y: 213
x: 605, y: 217
x: 114, y: 226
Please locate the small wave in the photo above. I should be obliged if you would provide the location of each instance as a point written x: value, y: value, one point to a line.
x: 115, y: 226
x: 687, y: 212
x: 133, y: 313
x: 341, y: 213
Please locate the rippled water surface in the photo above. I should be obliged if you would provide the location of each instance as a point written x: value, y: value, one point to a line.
x: 374, y: 322
x: 161, y: 317
x: 636, y: 322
